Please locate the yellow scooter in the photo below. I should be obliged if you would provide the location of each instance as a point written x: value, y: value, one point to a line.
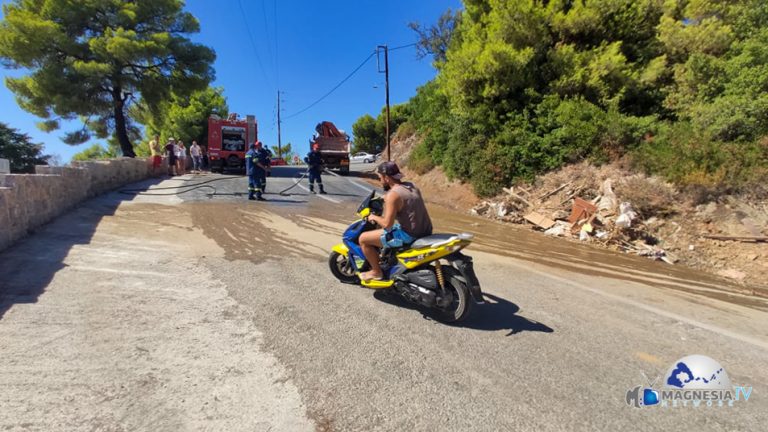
x: 431, y: 272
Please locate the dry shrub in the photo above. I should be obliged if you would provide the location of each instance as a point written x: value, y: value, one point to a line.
x: 581, y: 175
x: 649, y: 196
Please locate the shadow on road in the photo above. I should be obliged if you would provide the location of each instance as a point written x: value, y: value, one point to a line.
x: 496, y: 314
x: 499, y: 314
x: 269, y: 196
x: 28, y: 266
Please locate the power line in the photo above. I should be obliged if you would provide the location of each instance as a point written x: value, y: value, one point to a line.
x: 253, y: 42
x: 266, y: 30
x: 375, y: 52
x: 403, y: 46
x: 334, y: 88
x: 277, y: 37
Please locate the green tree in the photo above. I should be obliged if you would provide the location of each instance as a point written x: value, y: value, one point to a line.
x: 527, y: 86
x: 367, y: 137
x: 95, y: 152
x: 182, y: 116
x: 286, y: 151
x: 398, y: 114
x: 91, y: 59
x: 22, y: 154
x: 370, y: 134
x: 435, y: 40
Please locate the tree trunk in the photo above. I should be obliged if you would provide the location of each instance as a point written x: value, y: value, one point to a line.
x: 121, y: 131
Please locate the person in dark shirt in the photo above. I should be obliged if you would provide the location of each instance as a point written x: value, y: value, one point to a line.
x: 256, y: 163
x: 170, y: 155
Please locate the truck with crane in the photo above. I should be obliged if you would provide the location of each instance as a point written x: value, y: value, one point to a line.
x: 333, y: 145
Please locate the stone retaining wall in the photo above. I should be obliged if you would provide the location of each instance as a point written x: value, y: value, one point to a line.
x: 28, y: 201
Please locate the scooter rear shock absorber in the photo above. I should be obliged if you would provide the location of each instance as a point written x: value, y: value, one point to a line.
x: 439, y: 273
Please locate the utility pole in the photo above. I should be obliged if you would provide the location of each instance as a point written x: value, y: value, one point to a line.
x: 386, y: 80
x: 279, y: 143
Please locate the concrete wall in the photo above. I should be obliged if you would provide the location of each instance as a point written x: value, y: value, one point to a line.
x: 28, y: 201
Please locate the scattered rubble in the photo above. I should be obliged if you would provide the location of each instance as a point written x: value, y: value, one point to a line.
x: 612, y: 207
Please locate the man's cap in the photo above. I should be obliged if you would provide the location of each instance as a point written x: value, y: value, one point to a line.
x: 171, y: 139
x: 389, y: 169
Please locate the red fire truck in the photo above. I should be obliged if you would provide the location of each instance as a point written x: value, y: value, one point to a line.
x: 228, y: 140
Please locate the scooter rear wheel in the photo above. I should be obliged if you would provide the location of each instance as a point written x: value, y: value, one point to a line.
x: 460, y: 305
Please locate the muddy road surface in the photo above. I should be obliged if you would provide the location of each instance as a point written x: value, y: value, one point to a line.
x: 187, y: 307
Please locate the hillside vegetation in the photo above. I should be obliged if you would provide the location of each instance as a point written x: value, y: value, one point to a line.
x: 676, y: 87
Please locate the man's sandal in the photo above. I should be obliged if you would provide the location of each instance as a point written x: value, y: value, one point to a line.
x: 367, y: 277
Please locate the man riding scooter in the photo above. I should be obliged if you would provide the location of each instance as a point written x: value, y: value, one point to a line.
x: 405, y: 219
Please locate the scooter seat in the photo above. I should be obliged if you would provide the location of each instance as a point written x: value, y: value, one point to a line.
x: 434, y: 240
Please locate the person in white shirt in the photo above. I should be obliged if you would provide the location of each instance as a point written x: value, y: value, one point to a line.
x: 181, y: 158
x: 197, y: 157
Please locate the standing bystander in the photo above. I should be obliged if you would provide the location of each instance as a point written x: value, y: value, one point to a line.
x: 154, y: 149
x: 197, y: 157
x: 181, y: 158
x: 170, y: 155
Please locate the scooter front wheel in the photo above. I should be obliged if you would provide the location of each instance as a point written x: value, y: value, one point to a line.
x: 342, y: 269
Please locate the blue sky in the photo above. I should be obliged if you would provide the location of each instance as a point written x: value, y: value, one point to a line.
x: 308, y: 49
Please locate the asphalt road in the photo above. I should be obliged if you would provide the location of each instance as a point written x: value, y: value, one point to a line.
x: 200, y: 310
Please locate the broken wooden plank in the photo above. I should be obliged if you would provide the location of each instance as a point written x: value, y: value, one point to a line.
x: 571, y: 196
x: 525, y: 191
x: 539, y: 220
x: 549, y: 194
x: 755, y: 239
x: 511, y: 191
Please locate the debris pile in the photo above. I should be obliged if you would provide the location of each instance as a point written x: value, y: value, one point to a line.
x: 580, y: 210
x: 612, y: 207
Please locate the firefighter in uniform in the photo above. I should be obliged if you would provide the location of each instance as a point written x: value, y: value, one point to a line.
x: 315, y: 162
x: 256, y: 163
x: 268, y: 164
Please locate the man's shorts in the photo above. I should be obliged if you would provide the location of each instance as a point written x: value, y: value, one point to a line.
x: 156, y: 161
x: 395, y: 237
